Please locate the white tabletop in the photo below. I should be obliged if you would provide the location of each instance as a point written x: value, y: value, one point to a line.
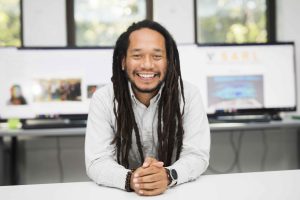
x: 277, y: 185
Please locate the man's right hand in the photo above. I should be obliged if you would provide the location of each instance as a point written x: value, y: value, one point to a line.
x: 149, y: 179
x: 148, y: 161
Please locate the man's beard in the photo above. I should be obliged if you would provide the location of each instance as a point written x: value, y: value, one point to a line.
x: 151, y: 90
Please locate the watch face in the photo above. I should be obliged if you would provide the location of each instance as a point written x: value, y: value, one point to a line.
x: 174, y: 174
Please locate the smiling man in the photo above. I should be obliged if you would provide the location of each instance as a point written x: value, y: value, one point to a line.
x: 147, y: 131
x: 145, y: 63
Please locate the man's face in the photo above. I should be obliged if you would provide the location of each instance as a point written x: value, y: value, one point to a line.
x: 146, y: 61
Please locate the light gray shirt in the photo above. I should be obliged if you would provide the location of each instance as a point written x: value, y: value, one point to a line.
x: 100, y: 155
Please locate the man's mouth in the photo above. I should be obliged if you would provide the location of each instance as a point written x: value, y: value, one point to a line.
x: 147, y: 75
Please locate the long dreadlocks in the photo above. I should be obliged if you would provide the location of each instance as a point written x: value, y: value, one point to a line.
x: 170, y: 129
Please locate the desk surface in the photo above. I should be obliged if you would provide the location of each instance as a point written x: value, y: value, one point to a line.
x: 277, y: 185
x: 217, y: 127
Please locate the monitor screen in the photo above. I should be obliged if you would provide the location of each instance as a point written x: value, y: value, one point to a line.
x: 237, y: 78
x: 39, y: 83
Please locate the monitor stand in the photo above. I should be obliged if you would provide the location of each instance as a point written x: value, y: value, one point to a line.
x: 52, y: 123
x: 241, y: 118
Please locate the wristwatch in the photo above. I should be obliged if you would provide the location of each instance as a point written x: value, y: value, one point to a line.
x: 172, y: 176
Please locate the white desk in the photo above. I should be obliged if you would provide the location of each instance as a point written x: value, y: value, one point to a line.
x: 217, y: 127
x: 279, y: 185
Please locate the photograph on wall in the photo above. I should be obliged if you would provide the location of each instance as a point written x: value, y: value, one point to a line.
x: 51, y: 90
x: 235, y: 92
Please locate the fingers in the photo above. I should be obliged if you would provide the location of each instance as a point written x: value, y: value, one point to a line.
x: 133, y: 179
x: 160, y: 183
x: 152, y: 161
x: 158, y: 164
x: 151, y: 192
x: 159, y: 174
x: 148, y: 179
x: 150, y: 185
x: 152, y: 179
x: 147, y: 186
x: 147, y: 171
x: 148, y: 161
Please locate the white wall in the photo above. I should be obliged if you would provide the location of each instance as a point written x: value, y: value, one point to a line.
x: 288, y: 28
x: 44, y: 23
x: 178, y: 17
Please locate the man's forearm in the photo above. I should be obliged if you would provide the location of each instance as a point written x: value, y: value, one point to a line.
x: 108, y: 173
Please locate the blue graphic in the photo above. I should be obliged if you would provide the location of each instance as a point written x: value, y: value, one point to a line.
x: 244, y: 91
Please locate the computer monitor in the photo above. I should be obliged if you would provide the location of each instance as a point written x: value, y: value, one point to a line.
x: 233, y: 79
x: 51, y: 83
x: 237, y: 79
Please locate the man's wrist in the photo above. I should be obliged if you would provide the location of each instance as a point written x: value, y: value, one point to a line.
x: 128, y: 181
x: 172, y: 177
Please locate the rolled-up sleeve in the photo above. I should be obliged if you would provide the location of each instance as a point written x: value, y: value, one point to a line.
x: 101, y: 165
x: 194, y: 157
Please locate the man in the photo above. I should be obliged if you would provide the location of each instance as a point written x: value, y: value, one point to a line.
x: 147, y: 130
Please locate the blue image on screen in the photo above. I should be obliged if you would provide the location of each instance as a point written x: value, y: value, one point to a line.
x: 234, y: 92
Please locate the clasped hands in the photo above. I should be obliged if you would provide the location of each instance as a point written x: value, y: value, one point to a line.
x: 150, y: 179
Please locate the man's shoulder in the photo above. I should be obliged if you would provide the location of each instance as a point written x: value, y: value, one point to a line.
x: 193, y: 97
x: 106, y: 92
x: 189, y: 88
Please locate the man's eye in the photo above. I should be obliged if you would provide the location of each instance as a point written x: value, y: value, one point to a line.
x: 136, y: 56
x: 157, y: 57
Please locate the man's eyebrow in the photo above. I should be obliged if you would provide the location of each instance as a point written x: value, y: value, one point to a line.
x: 158, y: 50
x: 135, y: 50
x: 139, y: 50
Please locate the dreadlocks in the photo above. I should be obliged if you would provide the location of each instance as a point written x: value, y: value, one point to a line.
x: 170, y: 129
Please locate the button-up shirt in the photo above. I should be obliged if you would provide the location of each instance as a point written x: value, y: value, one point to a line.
x: 100, y: 155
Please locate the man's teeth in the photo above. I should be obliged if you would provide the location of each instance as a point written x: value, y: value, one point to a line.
x: 146, y: 75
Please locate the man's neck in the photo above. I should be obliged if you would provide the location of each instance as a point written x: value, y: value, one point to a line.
x: 144, y: 97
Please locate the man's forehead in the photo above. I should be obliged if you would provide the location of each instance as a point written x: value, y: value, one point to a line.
x: 146, y: 34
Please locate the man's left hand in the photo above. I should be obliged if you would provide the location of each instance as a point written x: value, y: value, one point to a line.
x: 151, y: 180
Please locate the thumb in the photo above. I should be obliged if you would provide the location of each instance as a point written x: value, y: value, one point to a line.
x: 158, y: 164
x: 148, y: 161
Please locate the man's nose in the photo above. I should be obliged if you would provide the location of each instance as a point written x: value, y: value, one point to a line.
x: 147, y: 62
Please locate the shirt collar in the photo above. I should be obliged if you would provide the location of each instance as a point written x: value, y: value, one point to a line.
x: 153, y: 100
